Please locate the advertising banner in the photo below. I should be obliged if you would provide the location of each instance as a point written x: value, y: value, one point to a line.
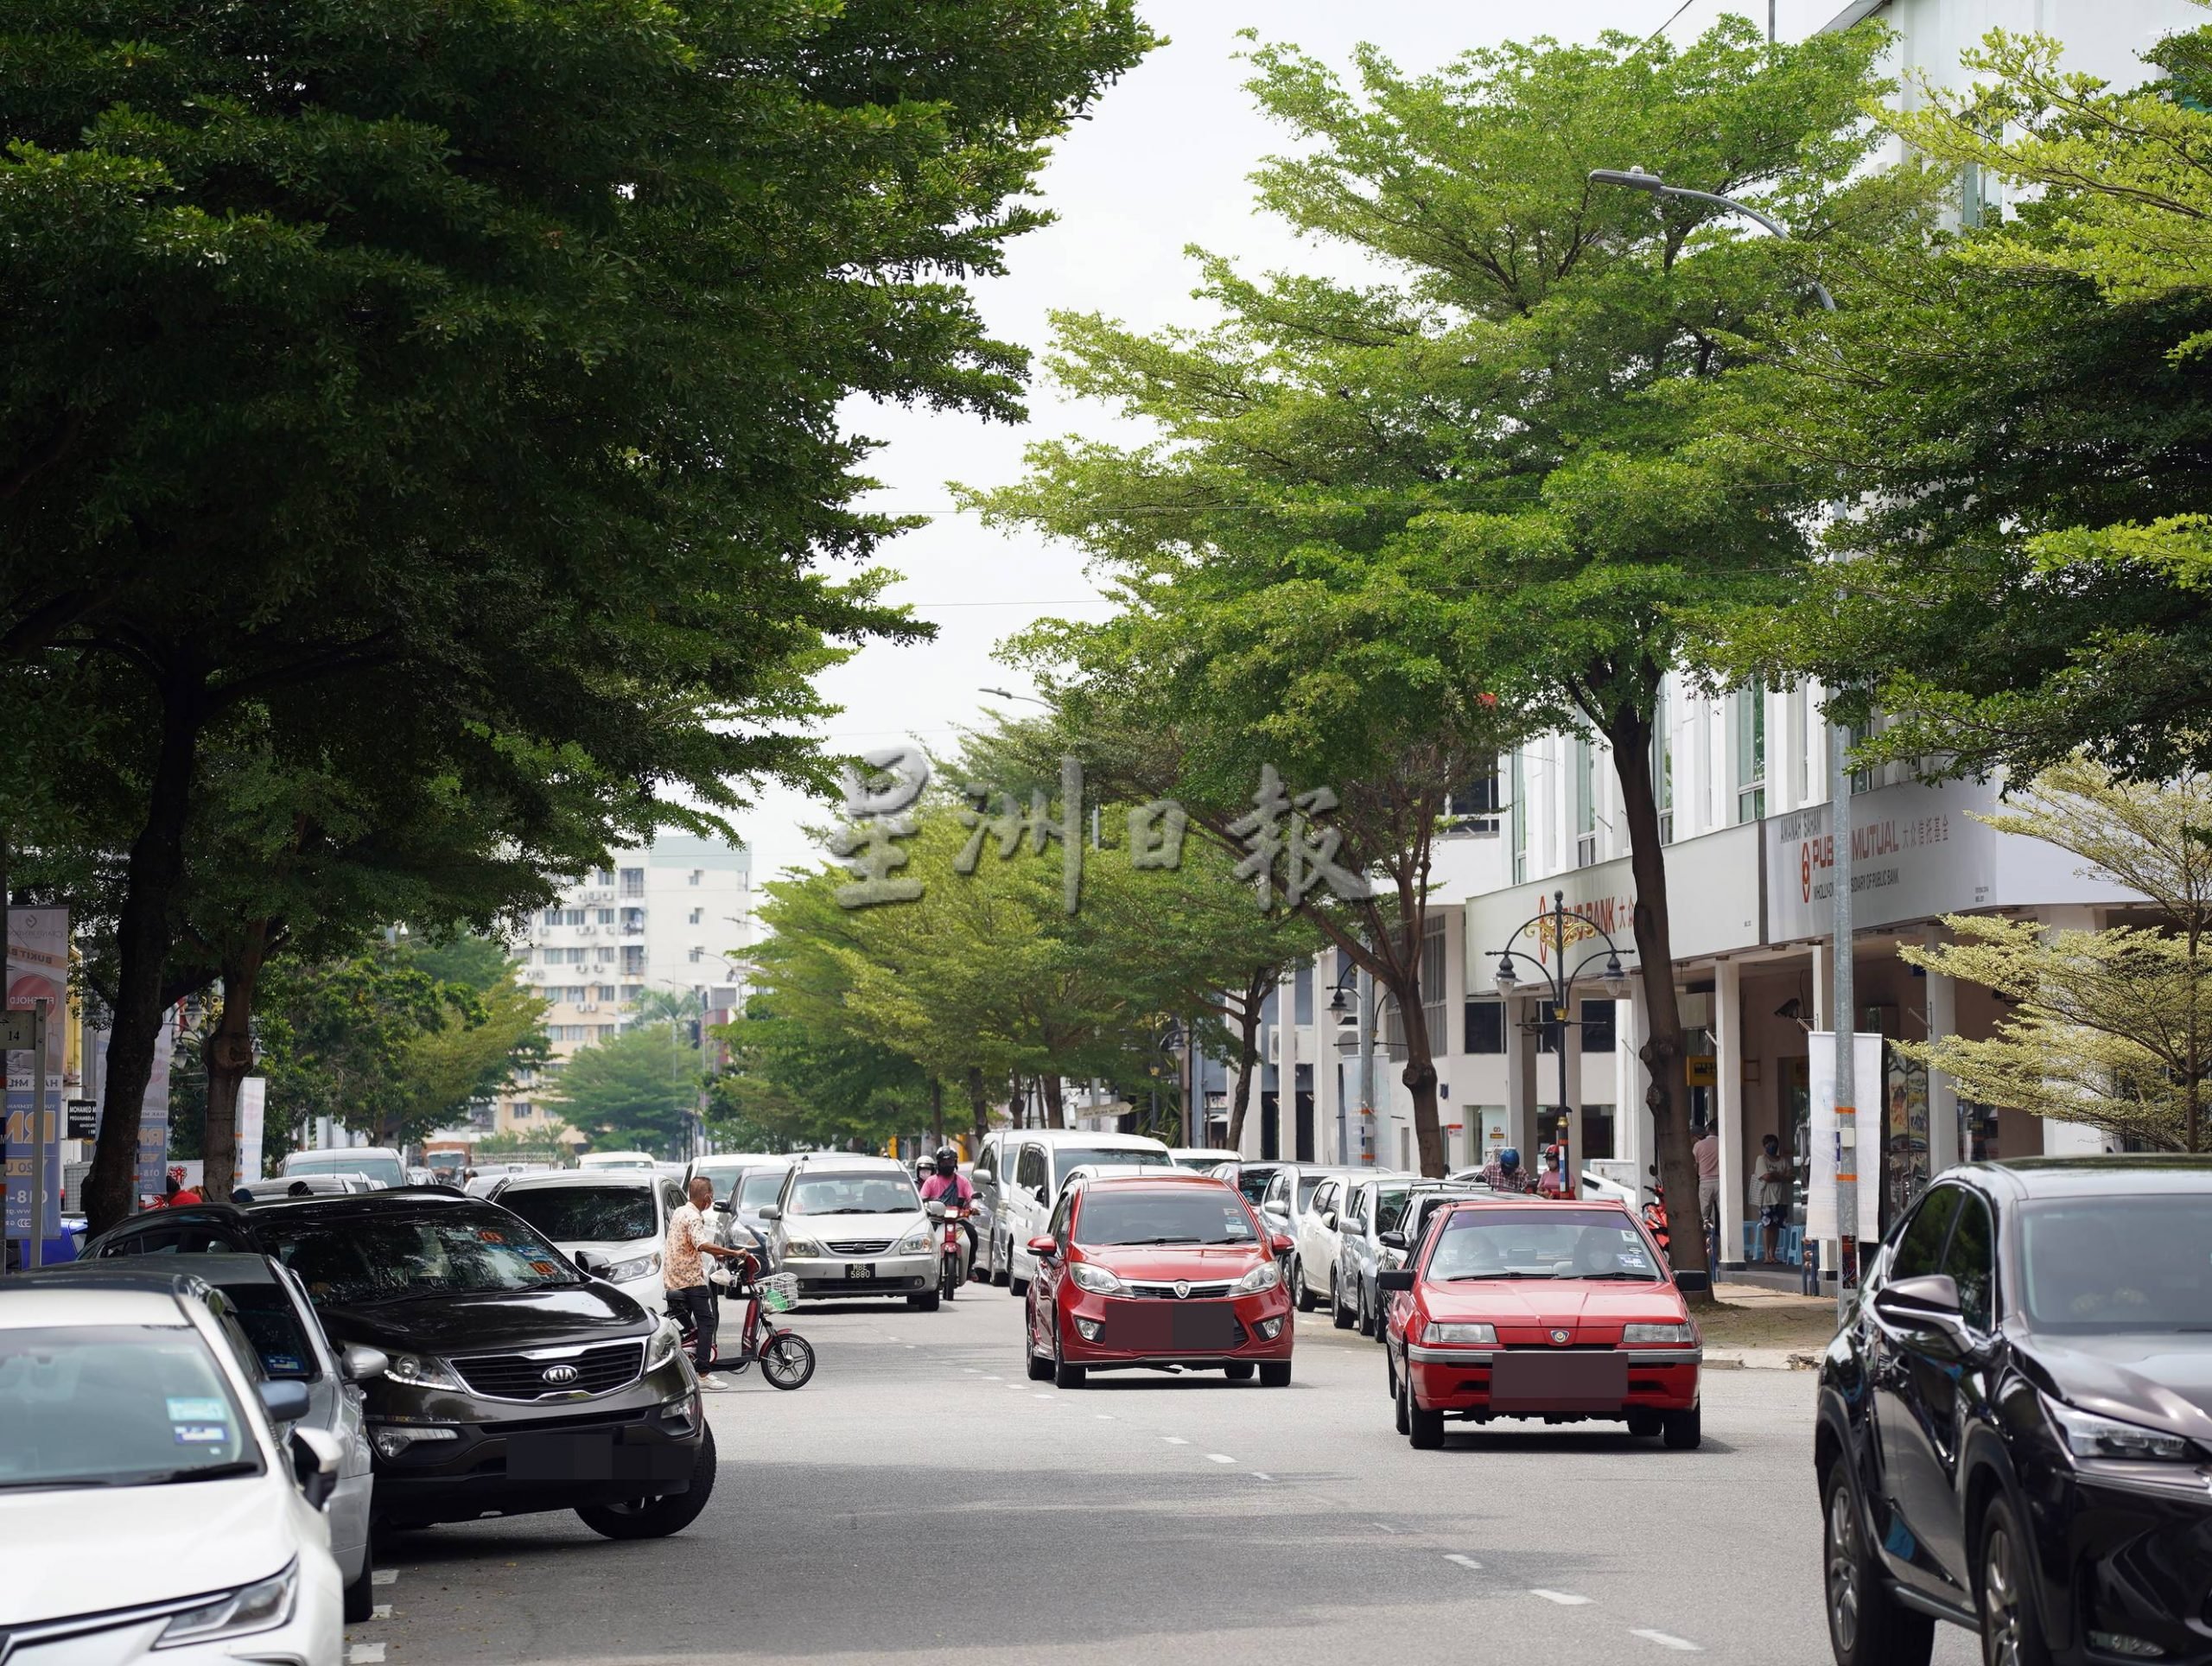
x: 38, y: 969
x: 253, y: 1100
x: 1868, y: 1079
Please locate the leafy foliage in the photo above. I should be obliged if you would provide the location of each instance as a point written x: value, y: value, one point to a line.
x: 632, y: 1092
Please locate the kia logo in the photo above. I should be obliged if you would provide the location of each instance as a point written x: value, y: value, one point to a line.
x: 1182, y: 1288
x: 1558, y: 1337
x: 561, y: 1376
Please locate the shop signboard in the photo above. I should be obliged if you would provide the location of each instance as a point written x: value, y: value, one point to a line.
x: 38, y: 969
x: 1868, y: 1079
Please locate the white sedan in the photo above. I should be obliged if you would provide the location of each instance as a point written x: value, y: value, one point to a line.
x: 150, y: 1507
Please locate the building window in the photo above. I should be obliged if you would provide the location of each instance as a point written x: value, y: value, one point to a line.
x: 1600, y: 1029
x: 608, y: 992
x: 633, y: 921
x: 1663, y: 765
x: 633, y: 881
x: 696, y: 954
x: 1435, y: 952
x: 1750, y: 752
x: 1485, y: 1026
x: 1862, y: 781
x: 698, y: 917
x: 522, y: 1110
x: 602, y: 876
x: 632, y: 991
x: 1585, y: 802
x: 697, y: 874
x: 1473, y: 807
x: 633, y: 960
x: 1517, y: 808
x: 604, y: 917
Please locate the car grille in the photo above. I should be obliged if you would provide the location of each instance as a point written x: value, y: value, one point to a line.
x: 859, y: 1247
x: 522, y: 1377
x: 1167, y: 1291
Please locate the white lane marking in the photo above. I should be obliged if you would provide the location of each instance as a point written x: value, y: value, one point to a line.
x: 991, y: 1376
x: 910, y: 1347
x: 1667, y: 1641
x: 365, y: 1654
x: 1564, y: 1599
x: 1104, y: 1417
x: 1219, y: 1457
x: 1044, y: 1397
x: 384, y: 1576
x: 1466, y: 1562
x: 1175, y: 1440
x: 1261, y: 1475
x: 971, y: 1371
x: 1386, y: 1527
x: 382, y: 1610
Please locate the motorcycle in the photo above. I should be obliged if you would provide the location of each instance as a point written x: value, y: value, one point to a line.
x: 786, y: 1358
x: 952, y: 1255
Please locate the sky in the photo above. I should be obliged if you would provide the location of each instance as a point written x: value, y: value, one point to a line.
x: 1163, y: 163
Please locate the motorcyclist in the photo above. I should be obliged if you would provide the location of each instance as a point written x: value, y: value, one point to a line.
x: 948, y: 1185
x: 1504, y: 1173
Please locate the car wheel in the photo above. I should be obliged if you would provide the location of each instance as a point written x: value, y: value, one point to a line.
x: 1239, y: 1370
x: 1001, y: 1266
x: 1019, y: 1287
x: 1424, y: 1429
x: 1364, y: 1318
x: 787, y: 1360
x: 2011, y: 1626
x: 656, y: 1518
x: 925, y: 1303
x: 1644, y: 1421
x: 1274, y: 1373
x: 1040, y: 1368
x: 1866, y: 1625
x: 1398, y: 1402
x: 1064, y: 1376
x: 1683, y: 1430
x: 360, y: 1592
x: 1339, y: 1315
x: 1300, y: 1297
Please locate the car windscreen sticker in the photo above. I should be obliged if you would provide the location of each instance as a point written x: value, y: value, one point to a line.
x: 198, y: 1411
x: 1631, y: 1255
x: 282, y: 1362
x: 488, y: 1235
x: 200, y: 1435
x: 543, y: 1269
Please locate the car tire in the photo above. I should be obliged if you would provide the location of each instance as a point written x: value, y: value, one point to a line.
x: 1040, y: 1367
x: 1398, y: 1404
x: 1001, y: 1266
x: 1339, y: 1315
x: 656, y: 1518
x: 2004, y: 1592
x: 1019, y: 1287
x: 1300, y: 1297
x: 1424, y: 1429
x: 1362, y: 1319
x: 1274, y: 1373
x: 360, y: 1598
x: 1643, y: 1421
x: 926, y: 1302
x: 1683, y: 1430
x: 1868, y: 1626
x: 1239, y: 1370
x: 1064, y: 1376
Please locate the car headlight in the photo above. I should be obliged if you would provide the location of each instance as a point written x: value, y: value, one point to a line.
x: 1484, y: 1334
x: 667, y: 1342
x: 421, y: 1371
x: 806, y: 1247
x: 1262, y: 1277
x: 392, y: 1439
x: 916, y: 1243
x: 1094, y: 1279
x: 2090, y: 1436
x: 637, y: 1267
x: 261, y: 1606
x: 1677, y: 1333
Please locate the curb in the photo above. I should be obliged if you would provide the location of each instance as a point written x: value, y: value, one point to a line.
x: 1760, y: 1359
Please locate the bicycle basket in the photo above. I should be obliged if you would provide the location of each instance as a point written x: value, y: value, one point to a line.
x: 780, y: 1292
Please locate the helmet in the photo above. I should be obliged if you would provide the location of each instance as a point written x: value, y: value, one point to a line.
x: 948, y: 1160
x: 1509, y: 1158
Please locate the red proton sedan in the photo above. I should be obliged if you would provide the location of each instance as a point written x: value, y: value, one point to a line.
x: 1171, y: 1269
x: 1523, y: 1308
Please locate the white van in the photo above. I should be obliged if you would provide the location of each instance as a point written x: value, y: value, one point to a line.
x: 618, y: 1159
x: 1019, y: 1173
x: 380, y: 1164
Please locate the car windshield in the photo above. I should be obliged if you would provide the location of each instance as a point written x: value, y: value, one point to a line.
x: 1253, y: 1183
x: 1307, y: 1183
x: 384, y: 1171
x: 1201, y: 1160
x: 1553, y: 1243
x: 1390, y: 1206
x: 2106, y: 1266
x: 855, y: 1194
x: 1067, y: 1159
x: 1111, y: 1216
x: 116, y: 1405
x: 721, y: 1176
x: 760, y: 1188
x: 272, y: 1325
x: 567, y: 1213
x: 378, y: 1257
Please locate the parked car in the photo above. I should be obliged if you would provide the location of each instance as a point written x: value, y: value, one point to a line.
x: 1018, y: 1175
x: 755, y: 1188
x: 273, y: 1310
x: 317, y: 1185
x: 611, y: 1221
x: 1172, y: 1271
x: 2013, y: 1426
x: 1203, y: 1159
x: 846, y: 1225
x: 722, y: 1169
x: 1522, y: 1307
x: 1251, y: 1180
x: 1317, y: 1246
x: 379, y: 1164
x: 163, y: 1499
x: 1371, y: 1208
x: 516, y: 1383
x: 618, y: 1159
x: 1287, y: 1197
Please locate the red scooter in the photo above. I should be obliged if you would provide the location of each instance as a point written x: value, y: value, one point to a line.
x: 786, y: 1358
x: 952, y: 1257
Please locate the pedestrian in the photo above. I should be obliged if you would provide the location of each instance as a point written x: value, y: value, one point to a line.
x: 1705, y: 1151
x: 1770, y: 1188
x: 1553, y: 1183
x: 684, y: 1274
x: 1503, y: 1172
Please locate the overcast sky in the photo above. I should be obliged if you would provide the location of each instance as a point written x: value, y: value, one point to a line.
x: 1163, y: 164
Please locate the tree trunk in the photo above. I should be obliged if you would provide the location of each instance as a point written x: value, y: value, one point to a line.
x: 978, y: 1104
x: 1420, y: 1074
x: 229, y: 1056
x: 1629, y: 734
x: 143, y: 935
x: 1049, y: 1084
x: 1016, y: 1111
x: 936, y: 1112
x: 1247, y: 1059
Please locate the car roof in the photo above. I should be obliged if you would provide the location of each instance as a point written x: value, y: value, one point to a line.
x: 591, y: 1177
x: 346, y: 1151
x: 1518, y: 1200
x: 1084, y: 1136
x: 1130, y: 1179
x: 358, y: 1204
x: 108, y: 1296
x: 2144, y: 1173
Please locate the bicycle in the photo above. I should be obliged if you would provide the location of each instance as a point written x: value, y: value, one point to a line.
x: 786, y: 1358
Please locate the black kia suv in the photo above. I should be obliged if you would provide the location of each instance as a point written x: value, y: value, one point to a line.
x: 516, y: 1383
x: 2015, y: 1427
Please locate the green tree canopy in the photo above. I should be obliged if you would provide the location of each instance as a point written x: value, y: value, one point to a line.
x: 632, y: 1092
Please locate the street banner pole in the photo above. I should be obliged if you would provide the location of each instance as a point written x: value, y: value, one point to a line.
x: 1844, y: 1019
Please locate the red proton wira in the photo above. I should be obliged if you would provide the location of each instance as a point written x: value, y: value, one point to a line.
x: 1171, y: 1269
x: 1522, y: 1308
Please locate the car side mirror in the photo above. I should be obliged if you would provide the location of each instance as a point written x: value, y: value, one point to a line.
x: 1391, y: 1240
x: 315, y: 1456
x: 1283, y: 1243
x: 1329, y: 1219
x: 1396, y: 1278
x: 1043, y: 1248
x: 285, y: 1402
x: 362, y: 1364
x: 934, y: 1210
x: 722, y: 1206
x: 1930, y: 1301
x: 773, y: 1212
x: 588, y: 1264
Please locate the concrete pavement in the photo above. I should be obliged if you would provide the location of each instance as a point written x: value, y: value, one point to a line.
x: 922, y: 1501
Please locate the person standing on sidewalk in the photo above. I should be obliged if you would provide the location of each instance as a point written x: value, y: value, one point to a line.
x: 1706, y: 1152
x: 1770, y: 1188
x: 683, y: 1271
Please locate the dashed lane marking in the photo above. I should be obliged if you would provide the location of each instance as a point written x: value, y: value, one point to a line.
x: 384, y: 1576
x: 1564, y: 1599
x: 1175, y: 1440
x: 1044, y: 1397
x: 1466, y: 1562
x: 1103, y: 1416
x: 1386, y: 1527
x: 1219, y: 1457
x: 991, y: 1376
x: 382, y: 1610
x: 1261, y: 1475
x: 1666, y: 1640
x: 365, y: 1654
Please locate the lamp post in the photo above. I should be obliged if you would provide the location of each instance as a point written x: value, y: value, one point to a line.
x: 1552, y: 928
x: 1362, y: 1042
x: 1845, y: 1017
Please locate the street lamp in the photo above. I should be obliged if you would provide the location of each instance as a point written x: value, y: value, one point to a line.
x: 1008, y: 694
x: 1362, y: 1041
x: 1845, y: 1019
x: 1556, y: 980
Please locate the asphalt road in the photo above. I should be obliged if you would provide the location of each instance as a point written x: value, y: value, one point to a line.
x: 922, y: 1501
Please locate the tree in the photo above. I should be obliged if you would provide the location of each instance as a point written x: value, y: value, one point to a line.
x: 1488, y: 480
x: 2112, y: 1028
x: 483, y: 371
x: 632, y: 1092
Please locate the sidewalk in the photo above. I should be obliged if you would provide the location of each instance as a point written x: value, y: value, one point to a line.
x: 1758, y: 1328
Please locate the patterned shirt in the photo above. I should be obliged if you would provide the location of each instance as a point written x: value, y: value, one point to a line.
x: 683, y: 1268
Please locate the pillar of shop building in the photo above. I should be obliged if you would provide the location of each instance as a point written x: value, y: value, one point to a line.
x: 1570, y: 1045
x: 1520, y: 1079
x: 2069, y: 1139
x: 1728, y: 1103
x: 1942, y: 1004
x: 1631, y: 1115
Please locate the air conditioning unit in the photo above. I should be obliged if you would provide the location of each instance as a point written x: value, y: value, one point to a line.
x: 586, y: 930
x: 588, y: 1006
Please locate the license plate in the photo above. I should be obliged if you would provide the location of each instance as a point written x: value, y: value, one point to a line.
x: 1170, y: 1327
x: 594, y: 1455
x: 860, y: 1269
x: 1558, y: 1382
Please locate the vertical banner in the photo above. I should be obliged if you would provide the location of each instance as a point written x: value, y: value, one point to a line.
x: 1869, y: 1080
x: 253, y: 1100
x: 38, y: 969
